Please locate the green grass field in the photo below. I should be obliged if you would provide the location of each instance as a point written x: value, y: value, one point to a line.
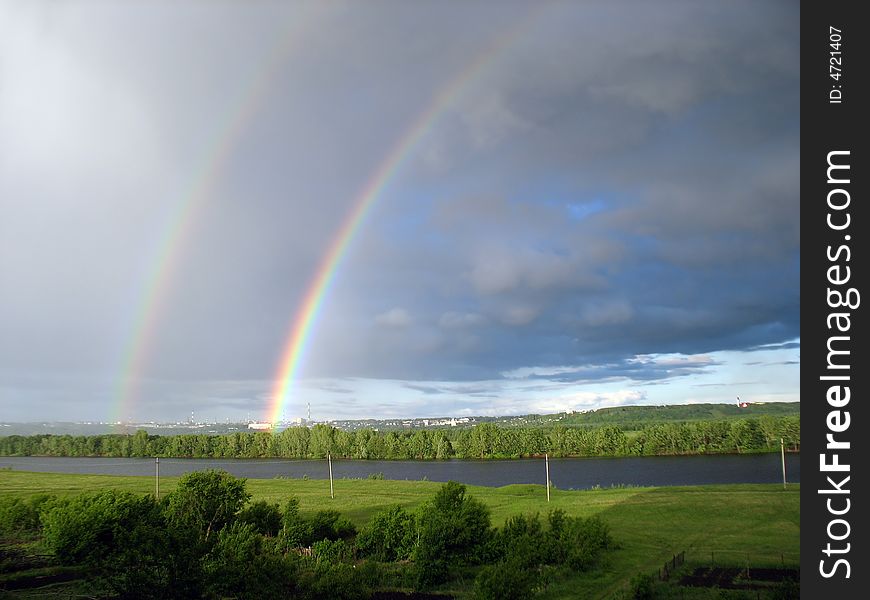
x: 759, y: 524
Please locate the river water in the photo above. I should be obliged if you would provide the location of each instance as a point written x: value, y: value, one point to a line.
x: 565, y: 473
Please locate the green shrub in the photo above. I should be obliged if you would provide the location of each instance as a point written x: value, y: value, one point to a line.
x: 206, y: 501
x: 522, y: 541
x: 391, y: 535
x: 334, y: 581
x: 507, y: 580
x: 453, y: 529
x: 641, y: 588
x: 265, y: 517
x: 19, y: 517
x: 124, y: 540
x: 329, y: 525
x: 331, y: 551
x: 241, y: 564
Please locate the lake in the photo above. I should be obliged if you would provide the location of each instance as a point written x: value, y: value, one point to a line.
x: 565, y: 473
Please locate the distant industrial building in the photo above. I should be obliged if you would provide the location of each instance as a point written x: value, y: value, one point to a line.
x: 260, y: 426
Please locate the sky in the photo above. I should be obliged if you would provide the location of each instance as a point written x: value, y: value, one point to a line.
x: 578, y: 205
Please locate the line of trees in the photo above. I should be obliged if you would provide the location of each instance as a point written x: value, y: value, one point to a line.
x: 483, y: 441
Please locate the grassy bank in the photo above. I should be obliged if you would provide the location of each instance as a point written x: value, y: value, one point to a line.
x: 760, y: 523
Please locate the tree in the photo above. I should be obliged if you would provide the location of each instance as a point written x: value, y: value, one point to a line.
x: 453, y: 528
x: 206, y: 501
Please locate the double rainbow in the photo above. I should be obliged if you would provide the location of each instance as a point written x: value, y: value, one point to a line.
x: 179, y: 223
x: 306, y: 317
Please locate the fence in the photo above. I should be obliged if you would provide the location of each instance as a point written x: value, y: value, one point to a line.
x: 672, y: 565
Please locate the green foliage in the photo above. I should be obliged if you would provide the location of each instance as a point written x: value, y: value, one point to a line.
x: 571, y: 541
x: 506, y: 580
x: 453, y: 528
x: 329, y: 525
x: 391, y: 535
x: 124, y: 539
x: 332, y: 551
x: 20, y: 517
x: 86, y: 529
x: 334, y: 581
x: 522, y: 541
x: 206, y: 501
x: 685, y: 429
x: 294, y: 529
x: 265, y: 517
x: 585, y: 539
x: 242, y: 564
x: 641, y: 587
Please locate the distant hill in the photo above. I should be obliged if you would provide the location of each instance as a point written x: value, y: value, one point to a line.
x: 632, y: 417
x: 626, y: 417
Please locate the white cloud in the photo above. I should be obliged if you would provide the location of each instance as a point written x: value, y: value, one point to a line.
x: 395, y: 317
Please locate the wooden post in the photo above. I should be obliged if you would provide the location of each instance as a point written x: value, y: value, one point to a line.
x: 782, y: 452
x: 157, y: 477
x: 331, y: 489
x: 547, y: 463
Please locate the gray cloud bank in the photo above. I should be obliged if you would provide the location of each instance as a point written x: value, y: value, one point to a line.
x: 619, y: 180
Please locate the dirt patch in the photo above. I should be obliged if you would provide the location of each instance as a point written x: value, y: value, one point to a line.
x: 735, y: 578
x: 37, y: 581
x: 409, y: 596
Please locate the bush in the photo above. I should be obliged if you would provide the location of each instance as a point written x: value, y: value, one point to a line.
x: 265, y: 517
x: 641, y: 588
x: 123, y: 538
x: 507, y: 580
x: 88, y: 528
x: 334, y: 581
x: 294, y: 529
x: 585, y: 538
x: 19, y: 517
x: 242, y: 565
x: 453, y: 529
x: 331, y: 551
x: 329, y: 525
x: 391, y: 535
x: 206, y: 501
x: 522, y: 541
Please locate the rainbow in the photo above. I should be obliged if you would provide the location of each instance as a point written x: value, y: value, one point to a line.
x: 313, y: 300
x: 179, y: 223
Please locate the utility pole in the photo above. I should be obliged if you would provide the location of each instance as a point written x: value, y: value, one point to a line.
x: 782, y: 452
x: 331, y: 490
x: 157, y: 477
x: 547, y: 462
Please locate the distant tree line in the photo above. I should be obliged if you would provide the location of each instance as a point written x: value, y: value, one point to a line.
x: 205, y: 540
x: 480, y: 442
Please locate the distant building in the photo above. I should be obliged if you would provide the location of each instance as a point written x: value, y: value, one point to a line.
x: 260, y: 426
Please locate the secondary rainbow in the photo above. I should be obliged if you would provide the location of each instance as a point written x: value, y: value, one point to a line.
x: 179, y: 223
x: 313, y: 300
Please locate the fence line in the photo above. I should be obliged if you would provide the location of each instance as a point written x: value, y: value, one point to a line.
x: 672, y: 565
